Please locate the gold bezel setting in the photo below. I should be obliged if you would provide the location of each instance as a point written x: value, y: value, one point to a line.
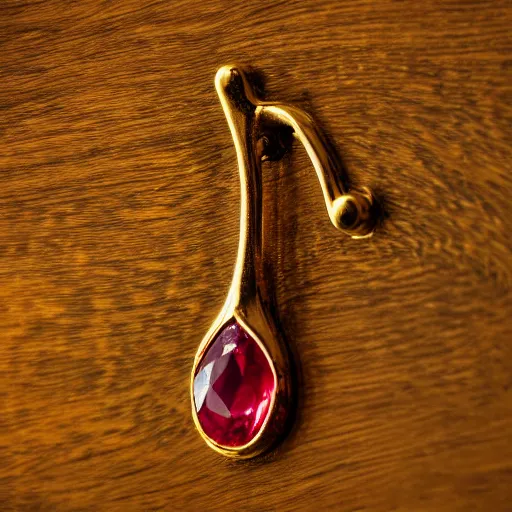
x: 255, y: 446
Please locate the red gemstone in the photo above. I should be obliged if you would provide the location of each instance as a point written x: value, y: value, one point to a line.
x: 233, y: 388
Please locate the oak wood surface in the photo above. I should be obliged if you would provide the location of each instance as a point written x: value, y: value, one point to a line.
x: 119, y: 209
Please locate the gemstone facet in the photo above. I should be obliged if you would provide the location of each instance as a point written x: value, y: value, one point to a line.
x: 233, y: 387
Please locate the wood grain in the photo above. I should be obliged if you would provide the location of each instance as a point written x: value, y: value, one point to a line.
x: 118, y: 230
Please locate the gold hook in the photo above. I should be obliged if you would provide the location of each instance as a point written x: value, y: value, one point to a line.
x: 350, y: 211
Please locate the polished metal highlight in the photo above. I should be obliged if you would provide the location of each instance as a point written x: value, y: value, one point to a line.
x: 249, y: 119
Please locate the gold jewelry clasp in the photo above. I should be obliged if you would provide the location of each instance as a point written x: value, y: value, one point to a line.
x: 350, y: 211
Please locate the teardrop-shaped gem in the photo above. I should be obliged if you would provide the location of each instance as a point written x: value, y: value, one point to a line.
x: 233, y: 387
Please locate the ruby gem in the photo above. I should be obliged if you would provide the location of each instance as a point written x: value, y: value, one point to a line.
x: 233, y: 387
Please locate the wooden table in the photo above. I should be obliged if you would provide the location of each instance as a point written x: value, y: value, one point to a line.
x: 119, y: 206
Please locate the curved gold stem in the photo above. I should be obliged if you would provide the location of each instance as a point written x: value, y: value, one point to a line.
x: 240, y: 111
